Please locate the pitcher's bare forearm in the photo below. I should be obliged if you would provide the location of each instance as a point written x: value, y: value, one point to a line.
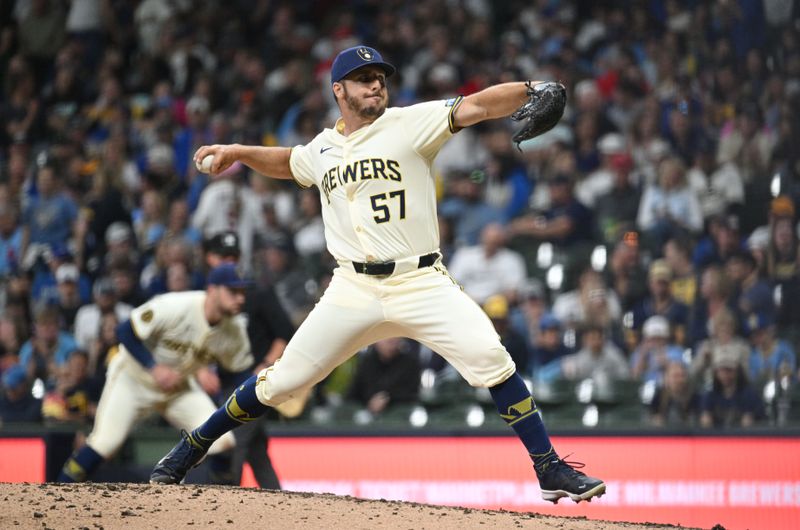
x: 269, y: 161
x: 497, y: 101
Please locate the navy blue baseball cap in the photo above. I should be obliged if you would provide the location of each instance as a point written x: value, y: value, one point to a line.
x: 227, y: 275
x: 356, y: 57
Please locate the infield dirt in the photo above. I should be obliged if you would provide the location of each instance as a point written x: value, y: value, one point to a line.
x: 111, y: 506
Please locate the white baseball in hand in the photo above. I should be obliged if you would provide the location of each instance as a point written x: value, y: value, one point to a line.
x: 204, y: 166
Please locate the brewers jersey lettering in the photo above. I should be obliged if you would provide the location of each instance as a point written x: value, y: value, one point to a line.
x: 174, y: 329
x: 379, y: 205
x: 376, y: 187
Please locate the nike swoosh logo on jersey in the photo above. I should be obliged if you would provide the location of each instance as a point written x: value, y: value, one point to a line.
x: 323, y: 149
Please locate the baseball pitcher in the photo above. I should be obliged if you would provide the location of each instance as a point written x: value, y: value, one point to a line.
x: 163, y: 344
x: 373, y: 169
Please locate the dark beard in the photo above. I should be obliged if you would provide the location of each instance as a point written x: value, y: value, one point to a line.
x: 357, y: 106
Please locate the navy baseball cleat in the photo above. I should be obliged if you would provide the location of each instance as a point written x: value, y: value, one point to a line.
x: 173, y: 467
x: 559, y: 478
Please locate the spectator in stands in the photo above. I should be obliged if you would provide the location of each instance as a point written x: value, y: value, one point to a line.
x: 277, y: 267
x: 148, y: 221
x: 675, y: 402
x: 44, y: 288
x: 723, y: 331
x: 752, y: 293
x: 649, y: 360
x: 12, y: 334
x: 120, y: 245
x: 103, y: 206
x: 496, y: 308
x: 625, y: 274
x: 125, y: 279
x: 564, y: 223
x: 465, y: 207
x: 178, y: 278
x: 48, y: 348
x: 178, y: 223
x: 771, y: 358
x: 660, y: 302
x: 617, y: 208
x: 719, y: 188
x: 88, y: 319
x: 722, y: 240
x: 10, y: 238
x: 531, y: 306
x: 489, y: 268
x: 746, y: 143
x: 598, y: 359
x: 715, y: 295
x: 781, y: 265
x: 69, y: 299
x: 226, y: 204
x: 72, y: 396
x: 669, y: 207
x: 613, y: 150
x: 17, y: 405
x: 732, y: 401
x: 677, y: 253
x: 549, y: 345
x: 591, y: 300
x: 103, y: 348
x: 309, y: 232
x: 388, y: 373
x: 49, y: 215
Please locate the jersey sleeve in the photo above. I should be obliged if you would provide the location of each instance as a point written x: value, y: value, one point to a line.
x: 430, y: 124
x: 150, y: 318
x: 302, y: 166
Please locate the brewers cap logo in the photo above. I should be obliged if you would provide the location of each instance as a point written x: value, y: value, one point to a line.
x: 365, y: 54
x: 147, y: 316
x: 229, y: 240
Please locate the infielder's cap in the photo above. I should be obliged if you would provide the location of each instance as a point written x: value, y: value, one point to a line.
x: 224, y: 244
x: 227, y: 275
x: 356, y: 57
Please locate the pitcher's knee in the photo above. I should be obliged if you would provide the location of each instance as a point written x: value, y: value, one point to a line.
x: 494, y: 367
x: 223, y: 443
x: 274, y: 388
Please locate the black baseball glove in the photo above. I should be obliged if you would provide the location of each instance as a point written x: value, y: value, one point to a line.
x: 545, y: 106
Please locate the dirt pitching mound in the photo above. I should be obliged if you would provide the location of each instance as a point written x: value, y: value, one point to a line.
x: 110, y: 506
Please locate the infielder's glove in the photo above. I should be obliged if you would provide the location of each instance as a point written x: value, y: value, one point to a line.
x: 542, y: 111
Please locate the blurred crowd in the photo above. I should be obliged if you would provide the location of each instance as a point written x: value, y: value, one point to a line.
x: 649, y: 239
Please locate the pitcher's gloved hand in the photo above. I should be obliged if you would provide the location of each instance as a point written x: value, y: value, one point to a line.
x: 545, y: 106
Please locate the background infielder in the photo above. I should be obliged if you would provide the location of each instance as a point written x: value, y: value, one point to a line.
x: 163, y: 344
x: 379, y: 208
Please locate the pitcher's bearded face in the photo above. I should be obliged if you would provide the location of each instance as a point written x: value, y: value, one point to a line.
x: 365, y: 92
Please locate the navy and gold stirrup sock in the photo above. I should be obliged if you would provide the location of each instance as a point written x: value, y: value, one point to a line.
x: 80, y: 465
x: 517, y: 408
x: 241, y: 407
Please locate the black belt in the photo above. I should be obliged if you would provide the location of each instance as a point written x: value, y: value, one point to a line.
x: 385, y: 268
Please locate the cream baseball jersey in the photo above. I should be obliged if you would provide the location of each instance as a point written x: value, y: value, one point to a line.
x: 376, y: 185
x: 173, y: 326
